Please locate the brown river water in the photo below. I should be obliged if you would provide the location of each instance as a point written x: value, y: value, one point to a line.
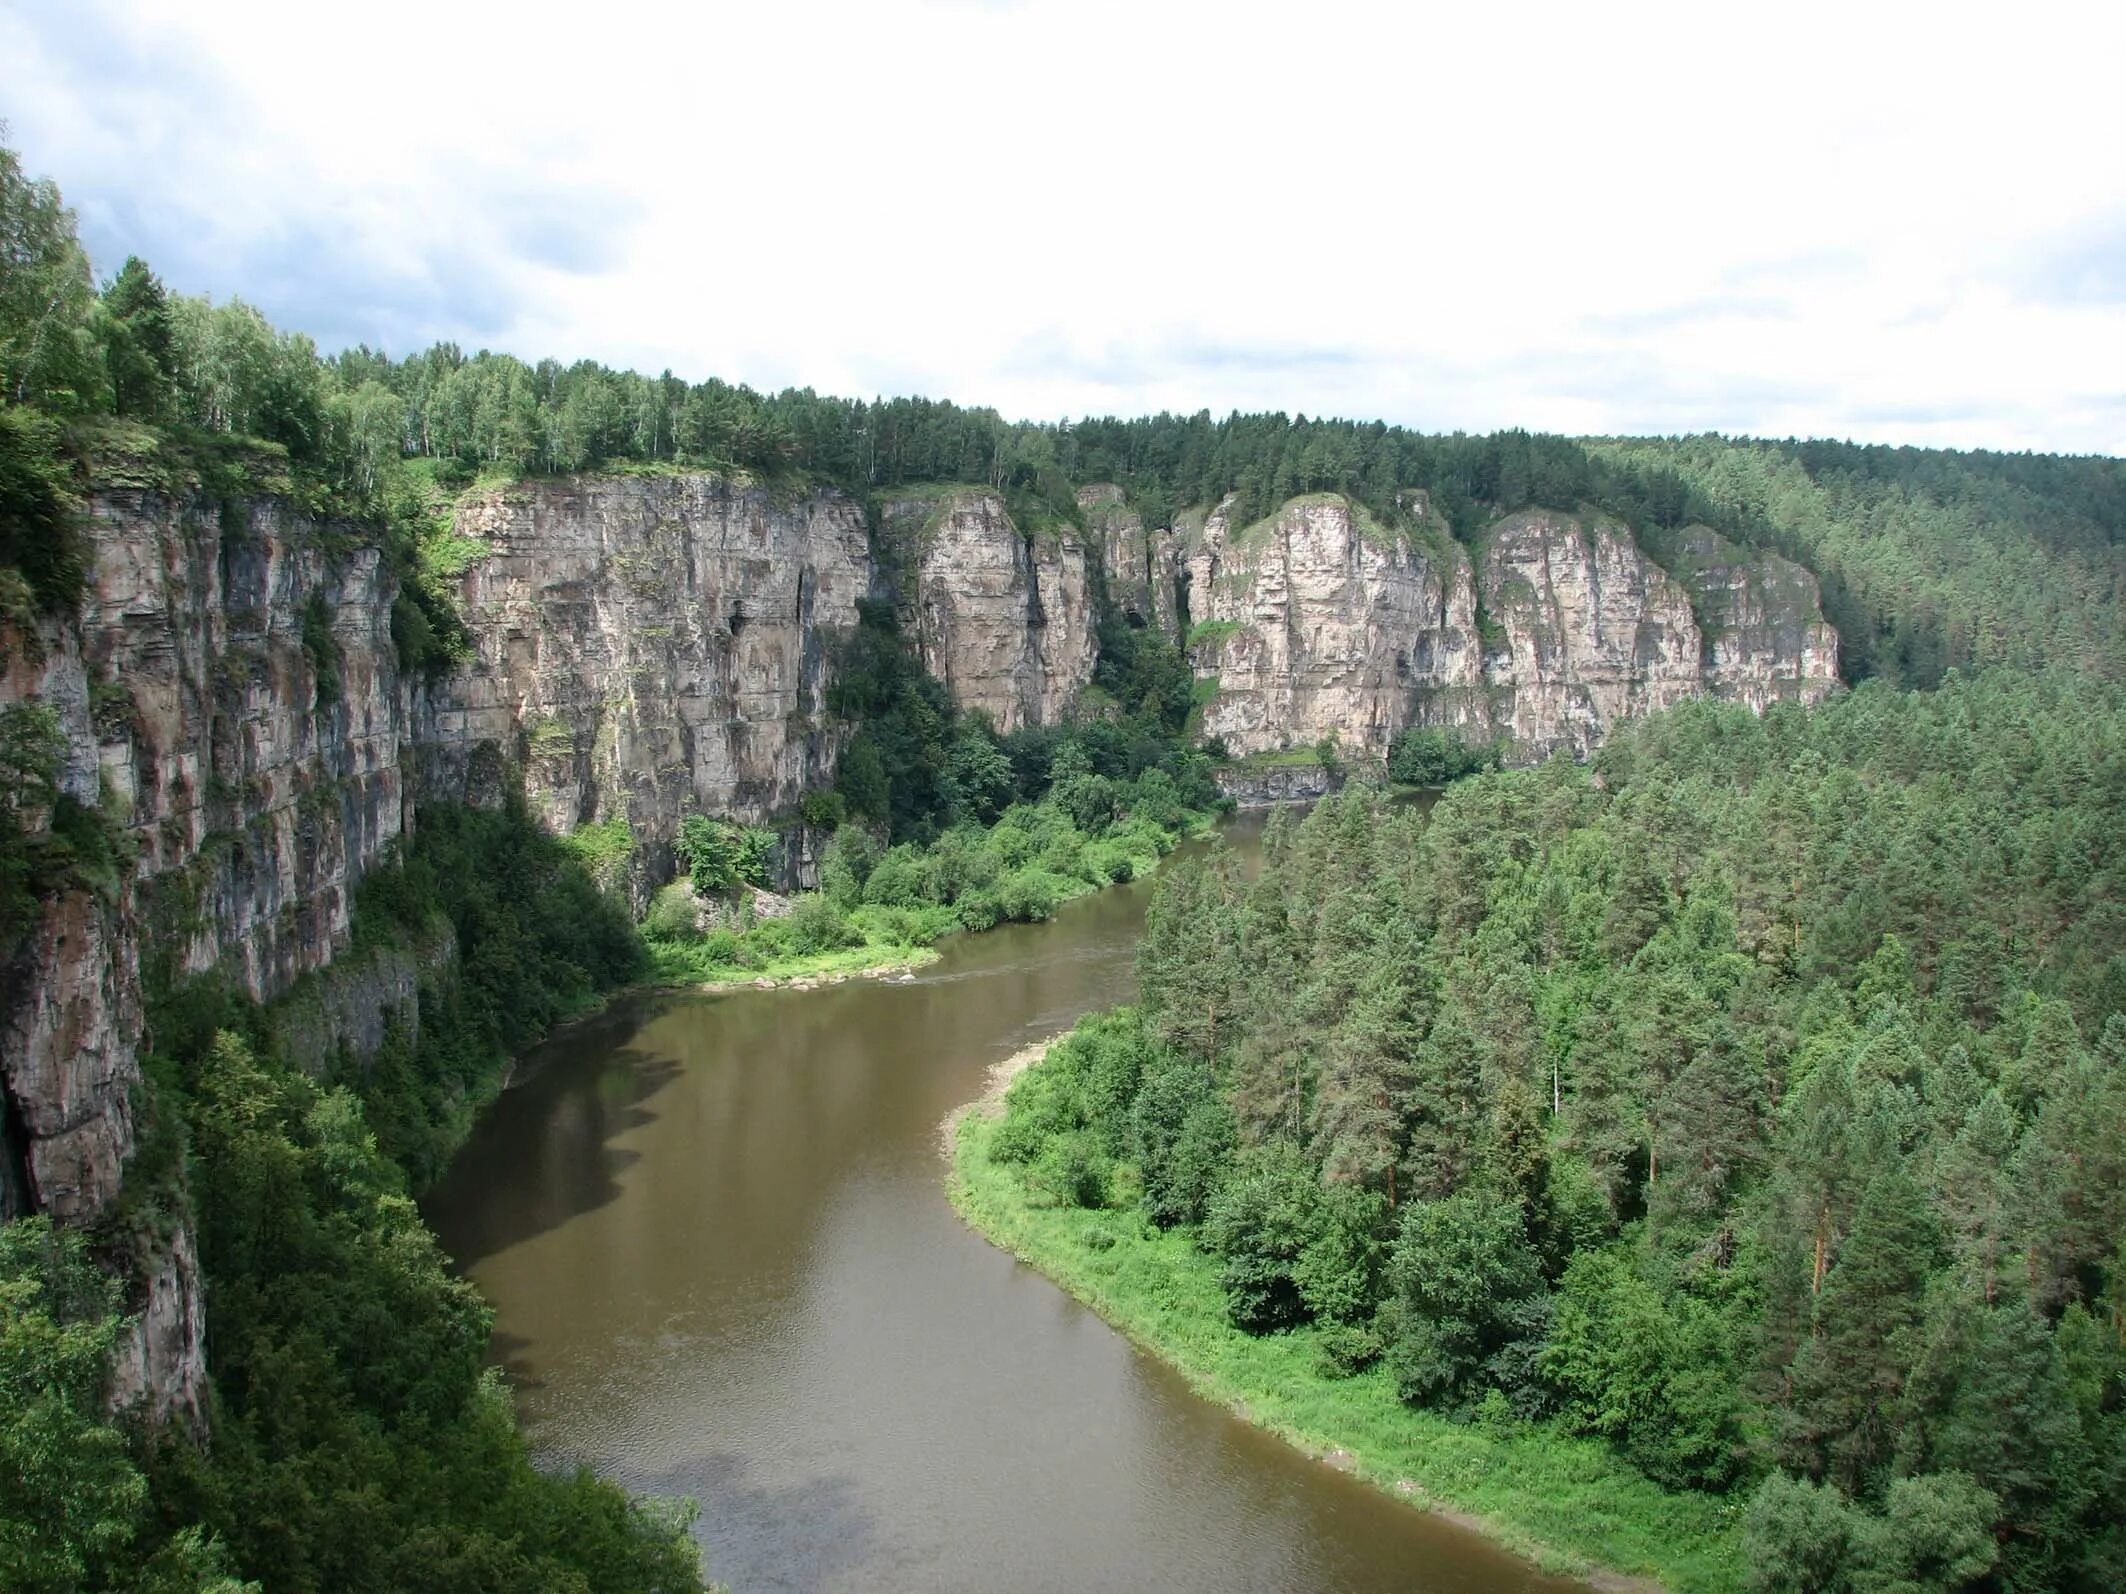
x: 715, y: 1235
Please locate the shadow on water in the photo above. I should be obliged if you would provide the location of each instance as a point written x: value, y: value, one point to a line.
x: 508, y: 1352
x: 549, y: 1139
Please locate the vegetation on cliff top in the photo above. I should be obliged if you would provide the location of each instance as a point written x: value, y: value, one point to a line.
x: 1929, y: 559
x: 1750, y: 1104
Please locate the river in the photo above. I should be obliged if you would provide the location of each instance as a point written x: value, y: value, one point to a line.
x: 715, y: 1235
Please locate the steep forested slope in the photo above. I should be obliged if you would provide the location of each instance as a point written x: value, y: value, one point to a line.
x: 1753, y: 1099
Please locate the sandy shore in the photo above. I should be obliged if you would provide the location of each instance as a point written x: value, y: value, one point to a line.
x: 991, y: 1102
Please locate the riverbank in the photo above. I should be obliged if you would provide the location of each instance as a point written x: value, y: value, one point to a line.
x: 801, y: 973
x: 880, y: 912
x: 1569, y: 1505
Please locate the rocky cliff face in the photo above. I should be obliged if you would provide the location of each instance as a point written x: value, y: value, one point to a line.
x: 1004, y: 619
x: 1320, y: 621
x: 1140, y: 567
x: 644, y: 648
x: 228, y: 696
x: 1594, y: 631
x: 1765, y: 637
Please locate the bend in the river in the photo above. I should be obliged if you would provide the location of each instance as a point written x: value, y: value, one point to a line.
x: 715, y: 1235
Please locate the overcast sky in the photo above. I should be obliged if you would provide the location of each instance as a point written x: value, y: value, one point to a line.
x: 1860, y: 220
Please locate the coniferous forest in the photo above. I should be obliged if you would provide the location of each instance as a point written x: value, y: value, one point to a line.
x: 1751, y: 1100
x: 1746, y: 1106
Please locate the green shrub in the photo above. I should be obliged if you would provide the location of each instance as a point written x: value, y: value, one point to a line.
x: 1071, y: 1171
x: 1031, y: 895
x: 674, y: 914
x: 39, y: 531
x: 816, y: 925
x: 901, y: 879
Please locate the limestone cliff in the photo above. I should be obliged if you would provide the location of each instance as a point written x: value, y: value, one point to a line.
x: 1320, y: 621
x: 1765, y: 637
x: 1004, y: 617
x: 1139, y: 566
x: 647, y: 647
x: 644, y: 648
x: 1594, y: 631
x: 228, y: 695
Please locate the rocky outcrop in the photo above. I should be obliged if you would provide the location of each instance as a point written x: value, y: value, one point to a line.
x: 1321, y: 621
x: 1255, y: 783
x: 1138, y: 565
x: 159, y: 1367
x: 645, y: 648
x: 1004, y: 618
x: 1765, y: 639
x: 69, y: 1047
x: 1594, y: 631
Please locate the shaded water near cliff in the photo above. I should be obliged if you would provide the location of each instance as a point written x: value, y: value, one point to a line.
x: 716, y: 1238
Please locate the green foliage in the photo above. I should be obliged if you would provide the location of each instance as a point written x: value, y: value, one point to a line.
x: 1463, y: 1279
x: 604, y: 847
x: 1648, y: 1368
x: 321, y: 648
x: 47, y: 300
x: 358, y: 1443
x: 74, y: 1508
x: 1426, y: 756
x: 537, y: 939
x: 1928, y: 560
x: 720, y: 855
x: 1749, y: 1103
x: 39, y: 535
x: 890, y: 900
x: 139, y: 347
x: 1260, y: 1225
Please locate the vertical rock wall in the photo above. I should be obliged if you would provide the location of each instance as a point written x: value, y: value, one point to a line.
x: 1323, y: 622
x: 228, y: 697
x: 645, y: 648
x: 1004, y: 619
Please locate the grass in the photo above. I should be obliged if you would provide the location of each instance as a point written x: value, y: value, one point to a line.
x: 1569, y: 1504
x: 677, y: 963
x: 1212, y: 633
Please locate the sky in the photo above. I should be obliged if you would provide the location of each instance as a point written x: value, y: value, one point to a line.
x: 1860, y: 220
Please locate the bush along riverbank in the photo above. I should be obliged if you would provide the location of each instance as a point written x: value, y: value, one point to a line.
x: 881, y: 908
x: 1060, y: 1202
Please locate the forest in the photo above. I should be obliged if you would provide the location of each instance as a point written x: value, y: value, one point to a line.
x: 1747, y: 1103
x: 1751, y: 1100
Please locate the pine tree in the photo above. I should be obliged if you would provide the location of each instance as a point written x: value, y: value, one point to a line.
x: 1848, y: 1378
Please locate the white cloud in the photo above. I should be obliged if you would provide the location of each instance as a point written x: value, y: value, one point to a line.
x: 1868, y: 221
